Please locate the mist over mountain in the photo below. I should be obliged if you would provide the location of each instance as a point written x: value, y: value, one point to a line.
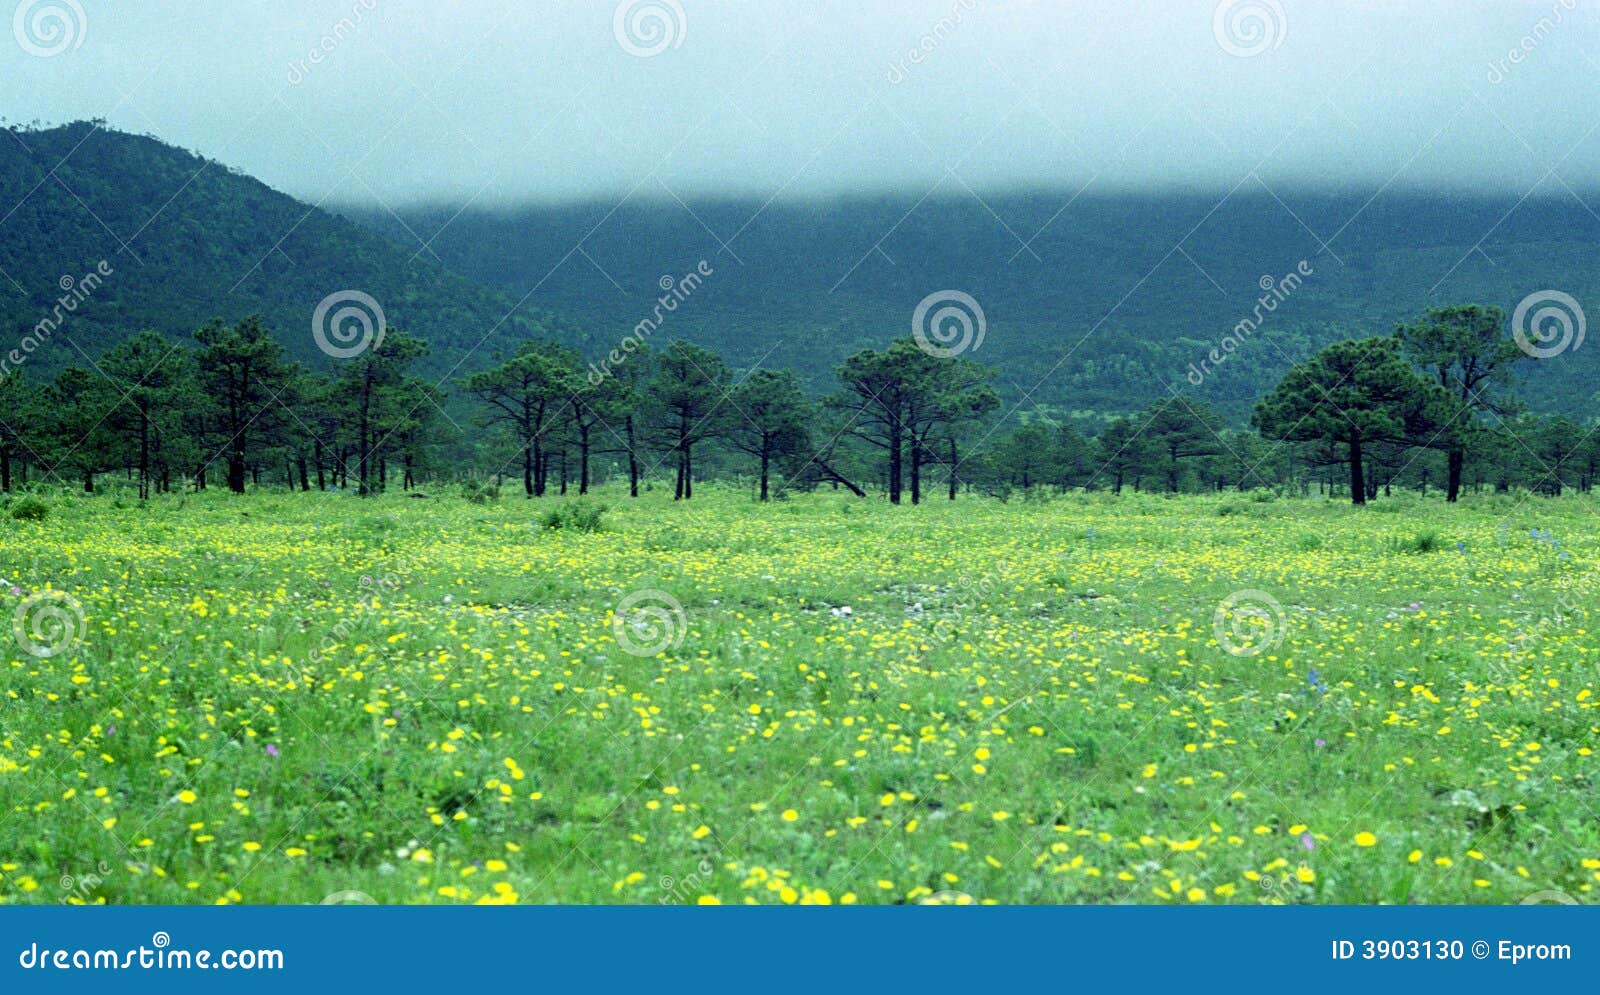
x: 500, y: 103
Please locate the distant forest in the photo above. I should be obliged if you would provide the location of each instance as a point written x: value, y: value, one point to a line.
x: 1432, y: 404
x: 1099, y: 284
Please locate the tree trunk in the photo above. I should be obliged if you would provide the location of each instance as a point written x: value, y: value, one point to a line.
x: 952, y: 467
x: 1358, y: 482
x: 765, y: 463
x: 839, y: 478
x: 633, y: 461
x: 527, y: 469
x: 1458, y: 459
x: 916, y: 470
x: 144, y: 456
x: 364, y: 456
x: 583, y: 459
x: 5, y: 469
x: 895, y: 439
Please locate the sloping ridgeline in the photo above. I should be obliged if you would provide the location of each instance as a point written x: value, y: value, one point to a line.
x: 187, y: 240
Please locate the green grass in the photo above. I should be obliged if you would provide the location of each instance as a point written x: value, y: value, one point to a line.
x: 1025, y: 702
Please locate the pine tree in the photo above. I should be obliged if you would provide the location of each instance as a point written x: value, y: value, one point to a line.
x: 1357, y: 393
x: 243, y: 374
x: 1466, y: 349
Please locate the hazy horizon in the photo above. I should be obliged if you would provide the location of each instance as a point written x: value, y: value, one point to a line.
x: 491, y: 105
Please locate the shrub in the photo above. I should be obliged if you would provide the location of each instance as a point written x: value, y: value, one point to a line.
x: 579, y: 516
x: 1308, y: 542
x: 1427, y: 542
x: 485, y: 493
x: 30, y: 509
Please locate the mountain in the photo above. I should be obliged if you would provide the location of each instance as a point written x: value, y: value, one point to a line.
x: 181, y: 239
x: 1113, y: 296
x: 1094, y: 303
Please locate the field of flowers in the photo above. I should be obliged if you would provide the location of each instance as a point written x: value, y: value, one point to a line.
x: 309, y: 698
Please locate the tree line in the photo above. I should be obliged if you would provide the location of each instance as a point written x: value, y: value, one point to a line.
x: 1434, y: 405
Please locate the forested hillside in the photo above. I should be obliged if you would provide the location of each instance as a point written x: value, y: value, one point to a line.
x: 1094, y: 281
x: 186, y: 240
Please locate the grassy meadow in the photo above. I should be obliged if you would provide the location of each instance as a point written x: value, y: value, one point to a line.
x: 299, y: 698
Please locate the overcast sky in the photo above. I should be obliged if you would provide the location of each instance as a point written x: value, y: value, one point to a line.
x: 495, y: 101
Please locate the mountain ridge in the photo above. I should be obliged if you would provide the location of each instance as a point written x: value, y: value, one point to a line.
x: 189, y: 238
